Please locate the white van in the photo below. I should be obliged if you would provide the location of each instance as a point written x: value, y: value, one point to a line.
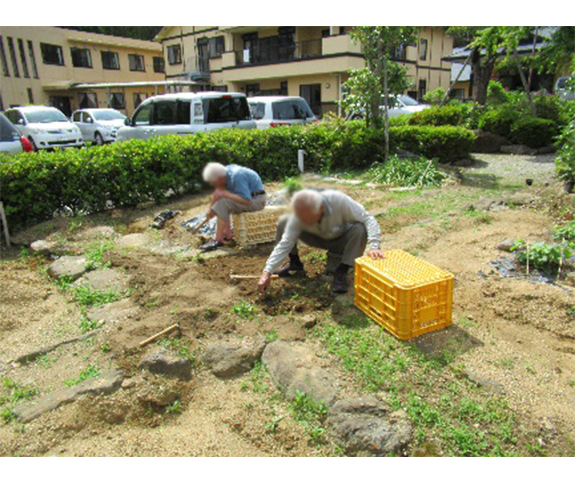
x: 278, y: 111
x: 187, y: 113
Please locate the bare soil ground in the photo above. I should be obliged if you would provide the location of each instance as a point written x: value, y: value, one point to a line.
x: 500, y: 381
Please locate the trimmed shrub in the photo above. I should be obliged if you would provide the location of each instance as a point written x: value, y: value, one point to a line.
x: 533, y: 131
x: 565, y: 161
x: 396, y: 171
x: 449, y: 115
x: 497, y: 121
x: 35, y: 186
x: 496, y: 93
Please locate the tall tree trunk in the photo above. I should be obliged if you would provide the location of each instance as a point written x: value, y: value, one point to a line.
x: 524, y: 82
x: 386, y: 106
x: 481, y: 73
x: 376, y: 101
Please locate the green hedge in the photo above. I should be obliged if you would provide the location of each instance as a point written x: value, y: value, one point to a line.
x: 450, y: 115
x: 533, y: 132
x: 34, y: 186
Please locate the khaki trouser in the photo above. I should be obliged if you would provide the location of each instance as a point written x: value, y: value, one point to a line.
x: 343, y: 249
x: 224, y: 207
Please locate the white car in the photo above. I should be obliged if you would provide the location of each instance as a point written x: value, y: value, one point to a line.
x: 98, y: 125
x: 45, y: 127
x: 280, y: 111
x: 563, y: 90
x: 11, y: 141
x: 399, y: 105
x: 187, y: 113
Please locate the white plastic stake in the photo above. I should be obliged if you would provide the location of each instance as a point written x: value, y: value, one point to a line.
x: 5, y: 224
x: 300, y: 159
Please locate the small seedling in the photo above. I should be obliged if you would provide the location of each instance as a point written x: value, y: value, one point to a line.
x: 91, y: 371
x: 244, y: 310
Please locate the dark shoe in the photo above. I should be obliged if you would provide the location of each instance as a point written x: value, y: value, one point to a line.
x: 162, y: 217
x: 289, y: 268
x: 211, y: 245
x: 339, y: 283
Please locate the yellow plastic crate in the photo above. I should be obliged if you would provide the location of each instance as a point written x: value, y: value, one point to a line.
x: 257, y: 227
x: 404, y: 294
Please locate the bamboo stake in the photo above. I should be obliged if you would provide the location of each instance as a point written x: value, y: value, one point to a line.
x: 249, y: 276
x: 197, y: 228
x: 153, y: 338
x: 5, y: 224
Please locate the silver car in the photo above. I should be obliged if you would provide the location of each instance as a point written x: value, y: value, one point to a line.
x: 275, y: 111
x: 11, y: 141
x: 98, y: 125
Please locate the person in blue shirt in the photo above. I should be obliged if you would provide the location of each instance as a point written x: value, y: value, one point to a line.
x: 237, y: 190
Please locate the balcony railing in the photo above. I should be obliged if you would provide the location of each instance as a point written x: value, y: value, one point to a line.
x: 263, y: 52
x: 197, y: 68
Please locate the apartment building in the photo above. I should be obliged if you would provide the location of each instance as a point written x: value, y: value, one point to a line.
x: 70, y: 69
x: 312, y: 62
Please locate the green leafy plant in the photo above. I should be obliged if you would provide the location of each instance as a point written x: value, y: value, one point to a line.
x: 565, y: 232
x: 87, y: 296
x: 546, y: 257
x: 91, y: 371
x: 565, y: 161
x: 94, y: 255
x: 450, y: 115
x: 244, y: 310
x: 180, y: 346
x: 434, y: 97
x: 311, y: 414
x: 533, y: 131
x: 419, y: 172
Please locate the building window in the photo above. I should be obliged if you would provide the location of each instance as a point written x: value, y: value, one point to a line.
x: 138, y: 98
x: 13, y: 56
x: 117, y: 100
x: 110, y: 61
x: 23, y: 58
x: 81, y: 58
x: 252, y: 90
x: 52, y: 54
x: 4, y: 59
x: 32, y: 59
x: 422, y: 49
x: 399, y: 52
x: 175, y: 54
x: 284, y: 88
x: 30, y: 96
x: 219, y: 88
x: 159, y: 65
x: 422, y: 88
x: 88, y: 100
x: 325, y: 32
x: 136, y: 63
x: 216, y: 47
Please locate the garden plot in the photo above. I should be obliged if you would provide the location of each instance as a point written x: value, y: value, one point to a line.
x: 498, y: 382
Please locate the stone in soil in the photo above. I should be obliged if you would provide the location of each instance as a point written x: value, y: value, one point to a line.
x: 506, y: 245
x: 97, y: 232
x: 165, y: 362
x: 43, y: 247
x: 107, y: 383
x: 134, y: 240
x: 294, y: 368
x: 518, y: 150
x: 230, y: 358
x: 105, y: 280
x: 520, y: 199
x: 366, y: 426
x: 113, y: 312
x: 309, y: 321
x: 68, y: 267
x: 485, y: 383
x: 158, y: 395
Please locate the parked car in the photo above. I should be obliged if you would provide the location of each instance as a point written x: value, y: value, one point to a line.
x: 98, y: 125
x: 563, y: 90
x: 280, y: 111
x: 187, y: 113
x: 400, y: 104
x: 11, y: 141
x: 45, y: 127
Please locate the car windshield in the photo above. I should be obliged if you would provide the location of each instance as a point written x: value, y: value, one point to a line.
x: 291, y: 109
x: 107, y: 115
x: 258, y: 110
x: 45, y: 116
x: 8, y: 132
x: 408, y: 101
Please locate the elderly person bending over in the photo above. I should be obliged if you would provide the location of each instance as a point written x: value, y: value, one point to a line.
x: 237, y: 190
x: 327, y: 220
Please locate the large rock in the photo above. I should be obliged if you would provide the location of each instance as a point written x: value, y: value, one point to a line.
x: 520, y: 199
x: 294, y: 368
x: 506, y: 245
x: 518, y: 150
x: 107, y: 383
x: 487, y: 142
x: 105, y: 280
x: 113, y: 312
x: 43, y: 247
x: 134, y: 240
x: 365, y: 425
x: 69, y: 267
x: 165, y: 362
x: 233, y: 357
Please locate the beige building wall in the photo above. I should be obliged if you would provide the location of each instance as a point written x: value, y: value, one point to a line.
x: 330, y: 51
x: 57, y: 81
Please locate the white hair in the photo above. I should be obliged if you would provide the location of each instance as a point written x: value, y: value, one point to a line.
x: 307, y: 198
x: 213, y: 171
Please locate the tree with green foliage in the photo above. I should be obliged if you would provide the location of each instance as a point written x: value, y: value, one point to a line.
x: 382, y: 77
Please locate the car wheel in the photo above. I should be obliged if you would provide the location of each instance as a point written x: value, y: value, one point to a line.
x: 34, y: 146
x: 356, y: 117
x: 99, y: 139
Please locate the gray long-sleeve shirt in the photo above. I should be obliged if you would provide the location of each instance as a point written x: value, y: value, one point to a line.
x: 340, y: 212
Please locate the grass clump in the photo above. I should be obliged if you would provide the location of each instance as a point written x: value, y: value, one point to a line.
x: 244, y: 310
x: 411, y: 172
x: 91, y: 371
x: 87, y: 296
x: 311, y: 414
x: 94, y: 255
x: 12, y: 393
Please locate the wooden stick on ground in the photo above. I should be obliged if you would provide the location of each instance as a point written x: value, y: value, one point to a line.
x: 153, y: 338
x: 5, y: 224
x: 249, y: 276
x: 197, y: 228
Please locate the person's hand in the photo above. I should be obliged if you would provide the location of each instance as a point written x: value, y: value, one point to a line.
x: 264, y: 282
x: 376, y: 254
